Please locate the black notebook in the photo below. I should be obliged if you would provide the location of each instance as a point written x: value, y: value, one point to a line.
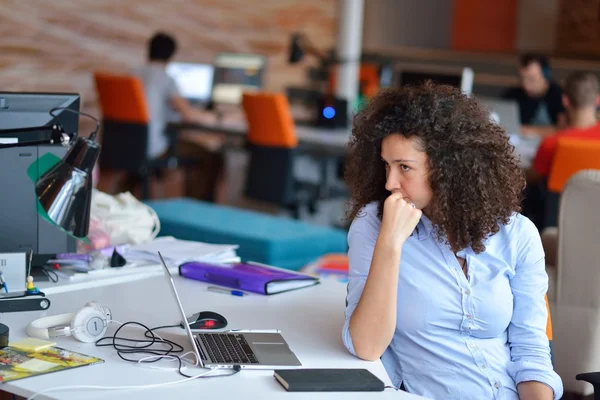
x: 328, y: 380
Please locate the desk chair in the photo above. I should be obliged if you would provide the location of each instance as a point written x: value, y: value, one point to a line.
x: 125, y: 128
x: 272, y: 144
x: 576, y: 306
x: 572, y: 155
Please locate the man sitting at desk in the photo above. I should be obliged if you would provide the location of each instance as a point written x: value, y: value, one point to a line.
x: 540, y: 99
x: 162, y: 95
x: 163, y: 98
x: 582, y: 96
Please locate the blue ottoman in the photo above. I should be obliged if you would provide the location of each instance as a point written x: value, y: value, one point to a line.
x: 263, y: 238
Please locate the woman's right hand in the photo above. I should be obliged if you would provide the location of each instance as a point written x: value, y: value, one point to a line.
x: 399, y: 220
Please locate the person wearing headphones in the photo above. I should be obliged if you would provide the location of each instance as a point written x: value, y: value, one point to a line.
x: 539, y: 98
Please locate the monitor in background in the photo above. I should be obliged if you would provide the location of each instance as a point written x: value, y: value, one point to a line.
x: 235, y: 74
x: 194, y: 81
x: 461, y: 79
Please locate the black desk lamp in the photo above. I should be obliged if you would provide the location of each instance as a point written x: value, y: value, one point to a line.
x: 65, y: 191
x: 300, y: 44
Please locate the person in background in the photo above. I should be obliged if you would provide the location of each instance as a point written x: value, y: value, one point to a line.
x: 539, y: 98
x: 205, y: 176
x: 162, y: 95
x: 581, y: 98
x: 446, y: 279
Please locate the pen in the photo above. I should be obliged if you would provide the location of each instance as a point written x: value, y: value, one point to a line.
x: 227, y: 291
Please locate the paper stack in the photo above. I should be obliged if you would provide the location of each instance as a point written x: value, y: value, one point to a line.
x: 176, y: 252
x: 144, y: 257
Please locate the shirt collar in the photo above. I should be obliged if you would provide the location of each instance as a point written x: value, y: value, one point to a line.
x: 424, y: 227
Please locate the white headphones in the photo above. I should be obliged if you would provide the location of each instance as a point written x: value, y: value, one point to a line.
x: 86, y: 325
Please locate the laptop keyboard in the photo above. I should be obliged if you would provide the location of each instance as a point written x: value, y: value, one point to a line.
x: 227, y: 348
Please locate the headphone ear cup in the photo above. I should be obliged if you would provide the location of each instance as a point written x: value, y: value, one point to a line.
x: 89, y: 325
x: 546, y: 72
x: 97, y: 306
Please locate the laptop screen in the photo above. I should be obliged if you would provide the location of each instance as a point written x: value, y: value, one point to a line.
x: 184, y: 321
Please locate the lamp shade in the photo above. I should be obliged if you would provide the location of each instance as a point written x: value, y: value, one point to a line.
x: 65, y: 191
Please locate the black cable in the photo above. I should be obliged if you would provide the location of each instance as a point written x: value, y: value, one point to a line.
x: 53, y: 276
x: 170, y: 351
x: 92, y: 136
x: 124, y: 349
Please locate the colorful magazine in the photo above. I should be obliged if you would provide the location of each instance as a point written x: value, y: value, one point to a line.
x: 18, y: 364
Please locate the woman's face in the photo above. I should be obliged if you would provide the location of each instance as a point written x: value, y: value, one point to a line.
x: 406, y: 169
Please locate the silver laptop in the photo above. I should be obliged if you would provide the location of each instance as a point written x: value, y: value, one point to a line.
x: 229, y: 349
x: 506, y: 112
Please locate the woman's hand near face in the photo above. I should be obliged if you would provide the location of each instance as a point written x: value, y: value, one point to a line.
x: 399, y: 220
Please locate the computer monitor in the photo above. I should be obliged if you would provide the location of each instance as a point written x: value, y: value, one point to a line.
x: 194, y: 81
x: 461, y: 79
x: 235, y: 74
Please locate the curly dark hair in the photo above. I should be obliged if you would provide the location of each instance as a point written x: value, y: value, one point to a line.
x: 475, y: 178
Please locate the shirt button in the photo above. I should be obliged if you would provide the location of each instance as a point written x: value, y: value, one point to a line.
x: 470, y: 316
x: 483, y: 366
x: 497, y: 385
x: 467, y: 292
x: 473, y: 345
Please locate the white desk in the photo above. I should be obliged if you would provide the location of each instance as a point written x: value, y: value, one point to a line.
x: 310, y: 319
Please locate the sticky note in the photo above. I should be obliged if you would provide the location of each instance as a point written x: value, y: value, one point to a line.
x: 37, y: 365
x: 31, y: 344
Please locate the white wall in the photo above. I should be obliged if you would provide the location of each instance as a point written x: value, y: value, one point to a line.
x: 428, y: 24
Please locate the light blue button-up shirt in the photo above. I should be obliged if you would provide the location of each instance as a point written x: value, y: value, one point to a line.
x: 458, y: 337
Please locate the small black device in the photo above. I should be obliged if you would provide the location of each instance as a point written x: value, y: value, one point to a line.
x: 207, y: 320
x: 332, y: 112
x: 328, y: 380
x: 21, y: 301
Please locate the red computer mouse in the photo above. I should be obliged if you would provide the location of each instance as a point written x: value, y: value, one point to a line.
x: 207, y: 320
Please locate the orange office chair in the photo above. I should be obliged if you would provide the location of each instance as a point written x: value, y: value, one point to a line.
x: 124, y: 127
x: 572, y: 155
x: 549, y: 325
x: 272, y: 143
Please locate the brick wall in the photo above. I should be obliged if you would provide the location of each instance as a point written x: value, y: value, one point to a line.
x: 578, y: 30
x: 55, y: 46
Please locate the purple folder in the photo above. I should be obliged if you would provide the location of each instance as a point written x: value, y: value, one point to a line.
x: 245, y: 276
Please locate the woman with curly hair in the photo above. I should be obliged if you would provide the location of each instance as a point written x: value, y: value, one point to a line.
x: 447, y: 279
